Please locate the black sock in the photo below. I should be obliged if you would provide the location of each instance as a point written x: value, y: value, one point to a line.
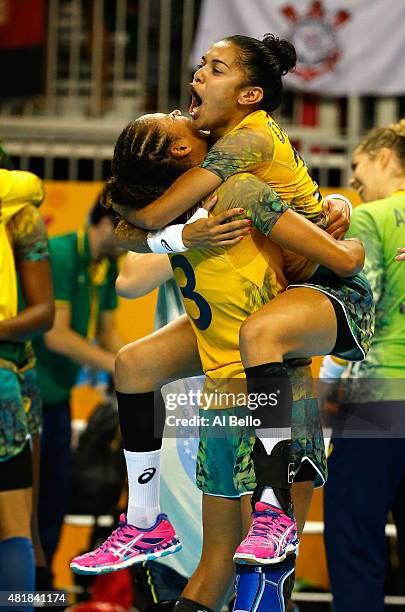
x: 188, y: 605
x: 272, y: 380
x: 43, y: 579
x: 142, y: 418
x: 272, y: 453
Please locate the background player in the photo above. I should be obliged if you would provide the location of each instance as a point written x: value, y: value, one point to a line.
x: 374, y: 391
x: 24, y: 249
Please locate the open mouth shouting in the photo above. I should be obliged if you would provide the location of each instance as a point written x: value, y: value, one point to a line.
x: 196, y: 103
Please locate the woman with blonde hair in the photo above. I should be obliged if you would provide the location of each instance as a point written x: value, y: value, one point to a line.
x: 357, y: 501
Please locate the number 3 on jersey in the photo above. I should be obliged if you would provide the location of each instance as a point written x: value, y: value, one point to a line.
x: 205, y: 318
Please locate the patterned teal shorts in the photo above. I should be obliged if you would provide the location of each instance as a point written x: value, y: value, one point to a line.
x: 225, y: 465
x: 20, y: 411
x: 356, y: 298
x: 30, y: 390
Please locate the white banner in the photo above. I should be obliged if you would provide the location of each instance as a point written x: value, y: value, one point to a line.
x: 343, y: 46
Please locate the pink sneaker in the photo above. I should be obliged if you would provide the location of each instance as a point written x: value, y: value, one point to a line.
x: 128, y: 545
x: 272, y: 536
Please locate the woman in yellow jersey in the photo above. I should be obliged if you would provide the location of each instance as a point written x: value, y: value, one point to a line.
x: 25, y: 251
x: 237, y: 86
x: 137, y: 371
x: 234, y: 90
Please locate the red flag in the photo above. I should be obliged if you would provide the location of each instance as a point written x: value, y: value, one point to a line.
x: 22, y: 24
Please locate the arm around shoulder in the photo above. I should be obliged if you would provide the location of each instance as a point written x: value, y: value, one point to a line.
x: 295, y: 233
x: 188, y: 189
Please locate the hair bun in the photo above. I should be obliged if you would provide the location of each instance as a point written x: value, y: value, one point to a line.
x: 283, y: 50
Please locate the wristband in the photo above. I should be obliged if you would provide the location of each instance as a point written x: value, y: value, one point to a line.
x: 167, y: 240
x: 332, y: 368
x: 170, y: 238
x: 200, y: 213
x: 338, y: 196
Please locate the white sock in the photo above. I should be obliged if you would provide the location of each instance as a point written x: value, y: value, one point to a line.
x: 265, y: 436
x: 143, y: 487
x: 271, y: 437
x: 268, y: 496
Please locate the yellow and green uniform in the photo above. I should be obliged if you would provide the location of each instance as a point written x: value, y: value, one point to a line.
x: 221, y: 287
x: 235, y: 283
x: 20, y: 403
x: 88, y: 288
x: 17, y: 189
x: 258, y: 145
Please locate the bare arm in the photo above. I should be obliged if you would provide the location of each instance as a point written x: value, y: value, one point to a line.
x: 273, y: 217
x: 140, y: 274
x: 187, y: 190
x: 131, y: 238
x: 108, y: 335
x: 63, y: 340
x: 238, y: 151
x: 216, y: 231
x: 28, y: 236
x: 295, y: 233
x: 37, y: 317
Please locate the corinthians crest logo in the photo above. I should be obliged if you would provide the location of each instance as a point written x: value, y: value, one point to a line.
x: 314, y: 37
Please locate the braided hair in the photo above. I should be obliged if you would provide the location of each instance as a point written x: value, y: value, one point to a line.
x: 142, y: 166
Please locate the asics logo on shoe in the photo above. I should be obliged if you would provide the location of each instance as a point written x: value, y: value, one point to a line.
x: 147, y: 475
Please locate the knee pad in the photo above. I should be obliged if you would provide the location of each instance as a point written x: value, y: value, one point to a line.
x: 261, y: 588
x: 275, y: 470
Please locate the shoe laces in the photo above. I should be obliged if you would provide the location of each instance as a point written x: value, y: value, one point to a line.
x: 112, y: 539
x: 266, y: 525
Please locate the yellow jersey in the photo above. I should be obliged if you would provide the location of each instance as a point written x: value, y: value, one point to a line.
x: 17, y: 189
x: 258, y: 145
x: 222, y: 286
